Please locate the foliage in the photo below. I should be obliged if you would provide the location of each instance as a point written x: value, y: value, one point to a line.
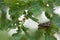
x: 35, y: 8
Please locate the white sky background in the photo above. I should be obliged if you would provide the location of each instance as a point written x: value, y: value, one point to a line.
x: 32, y: 24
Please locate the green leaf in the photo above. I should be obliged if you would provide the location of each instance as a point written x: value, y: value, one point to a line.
x: 56, y: 20
x: 20, y: 35
x: 4, y: 35
x: 49, y: 37
x: 16, y: 36
x: 10, y: 2
x: 14, y: 10
x: 4, y: 21
x: 57, y: 2
x: 35, y: 8
x: 49, y: 11
x: 34, y: 19
x: 24, y: 38
x: 19, y: 30
x: 38, y: 34
x: 1, y: 1
x: 49, y: 15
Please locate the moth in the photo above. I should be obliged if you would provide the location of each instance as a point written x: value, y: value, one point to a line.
x: 44, y: 25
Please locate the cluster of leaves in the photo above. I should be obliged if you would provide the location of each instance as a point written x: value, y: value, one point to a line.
x: 35, y: 8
